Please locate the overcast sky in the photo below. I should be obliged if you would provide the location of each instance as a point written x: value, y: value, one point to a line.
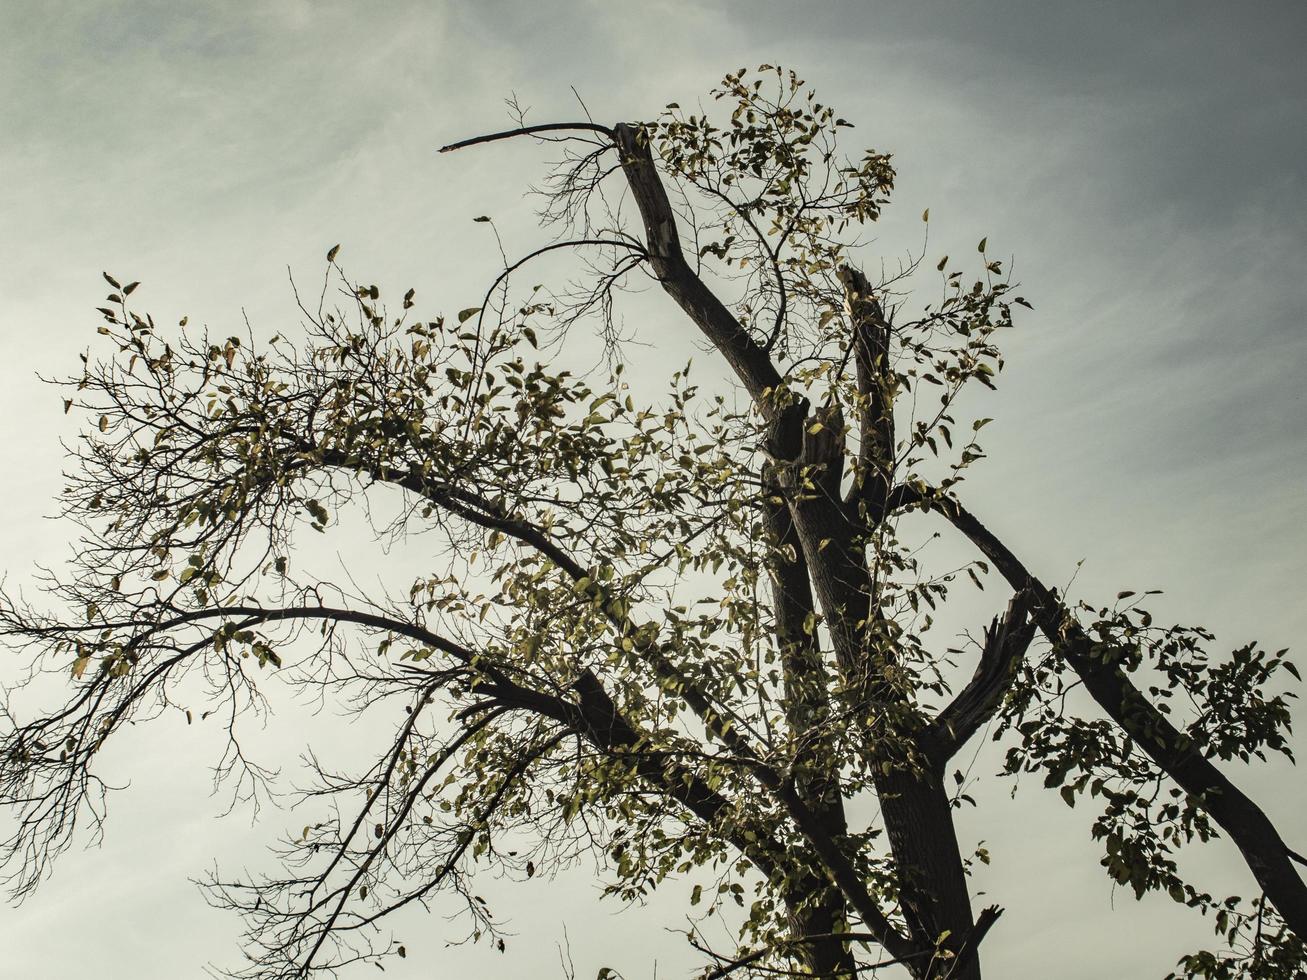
x: 1143, y: 163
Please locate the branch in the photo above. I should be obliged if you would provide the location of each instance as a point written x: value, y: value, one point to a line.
x: 871, y: 339
x: 746, y: 357
x: 529, y: 131
x: 837, y: 865
x: 1006, y: 642
x: 984, y: 922
x: 804, y: 673
x: 726, y: 969
x: 1252, y: 831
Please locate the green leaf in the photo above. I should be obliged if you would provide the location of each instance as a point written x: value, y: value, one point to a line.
x: 332, y: 252
x: 465, y: 315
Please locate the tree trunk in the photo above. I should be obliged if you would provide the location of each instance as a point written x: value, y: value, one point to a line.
x: 932, y: 883
x: 830, y: 959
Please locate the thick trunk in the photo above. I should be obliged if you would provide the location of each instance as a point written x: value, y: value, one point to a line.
x: 830, y: 959
x: 933, y: 886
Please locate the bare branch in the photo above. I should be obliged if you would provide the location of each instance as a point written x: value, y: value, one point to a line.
x: 530, y: 131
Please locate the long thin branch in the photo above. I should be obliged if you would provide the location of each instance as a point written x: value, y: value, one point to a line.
x: 726, y: 969
x: 529, y: 131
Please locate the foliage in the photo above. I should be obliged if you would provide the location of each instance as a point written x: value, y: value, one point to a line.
x: 680, y: 634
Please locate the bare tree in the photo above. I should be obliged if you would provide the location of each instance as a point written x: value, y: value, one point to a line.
x: 680, y: 635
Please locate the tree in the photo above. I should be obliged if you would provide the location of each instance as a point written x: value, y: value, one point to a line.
x: 684, y: 635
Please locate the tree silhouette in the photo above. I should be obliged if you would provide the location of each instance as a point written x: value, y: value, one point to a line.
x: 683, y: 635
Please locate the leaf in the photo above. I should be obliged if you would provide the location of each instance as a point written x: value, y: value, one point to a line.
x: 104, y: 423
x: 481, y: 218
x: 332, y: 252
x: 981, y: 247
x: 80, y: 665
x: 111, y: 280
x: 130, y: 288
x: 465, y: 315
x: 925, y: 215
x: 402, y: 952
x: 942, y: 262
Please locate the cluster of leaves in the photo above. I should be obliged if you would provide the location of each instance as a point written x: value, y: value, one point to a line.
x: 1225, y: 708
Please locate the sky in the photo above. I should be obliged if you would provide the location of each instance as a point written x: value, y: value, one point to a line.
x: 1141, y: 163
